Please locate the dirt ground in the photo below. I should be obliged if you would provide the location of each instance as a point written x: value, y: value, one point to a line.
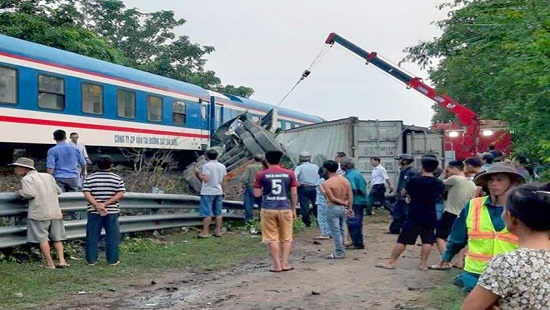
x: 316, y: 283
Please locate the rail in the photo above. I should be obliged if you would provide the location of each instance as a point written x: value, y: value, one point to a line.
x: 150, y: 212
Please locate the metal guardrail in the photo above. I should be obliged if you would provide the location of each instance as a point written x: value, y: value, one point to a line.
x: 152, y: 212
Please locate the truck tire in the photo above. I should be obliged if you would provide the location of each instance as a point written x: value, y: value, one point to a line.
x: 266, y: 142
x: 251, y: 145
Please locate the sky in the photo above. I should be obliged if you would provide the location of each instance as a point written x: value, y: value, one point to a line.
x: 266, y: 45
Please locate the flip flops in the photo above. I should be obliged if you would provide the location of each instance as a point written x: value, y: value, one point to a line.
x: 437, y: 267
x: 288, y: 269
x: 47, y: 267
x: 62, y: 266
x: 275, y: 270
x: 203, y: 236
x: 384, y: 266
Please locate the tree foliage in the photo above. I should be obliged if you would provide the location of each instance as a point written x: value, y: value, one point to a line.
x: 495, y: 59
x: 107, y: 30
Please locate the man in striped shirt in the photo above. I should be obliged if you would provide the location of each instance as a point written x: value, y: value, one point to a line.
x: 103, y: 190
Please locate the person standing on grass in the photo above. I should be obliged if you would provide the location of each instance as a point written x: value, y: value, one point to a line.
x: 520, y: 279
x: 211, y: 201
x: 460, y: 190
x: 278, y: 187
x: 63, y: 161
x: 321, y: 202
x: 340, y: 203
x: 45, y: 221
x: 103, y: 191
x: 423, y: 191
x: 248, y: 178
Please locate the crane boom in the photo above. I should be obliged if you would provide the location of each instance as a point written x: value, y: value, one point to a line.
x: 466, y: 117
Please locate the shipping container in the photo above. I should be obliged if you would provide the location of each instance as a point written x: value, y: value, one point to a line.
x: 363, y: 139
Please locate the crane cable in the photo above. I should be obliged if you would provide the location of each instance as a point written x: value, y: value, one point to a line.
x: 306, y: 72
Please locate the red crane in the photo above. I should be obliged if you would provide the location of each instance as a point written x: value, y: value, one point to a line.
x: 468, y: 138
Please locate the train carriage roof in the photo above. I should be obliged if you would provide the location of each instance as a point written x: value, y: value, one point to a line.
x: 58, y: 57
x: 253, y: 104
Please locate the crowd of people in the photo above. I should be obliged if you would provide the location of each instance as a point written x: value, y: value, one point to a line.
x: 66, y: 171
x: 478, y: 211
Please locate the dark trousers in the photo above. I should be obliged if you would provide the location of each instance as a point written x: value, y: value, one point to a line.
x: 355, y: 226
x: 307, y: 195
x: 248, y: 201
x: 377, y: 196
x: 399, y: 215
x: 112, y: 237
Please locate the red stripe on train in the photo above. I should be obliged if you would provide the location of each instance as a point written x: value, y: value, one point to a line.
x: 35, y: 121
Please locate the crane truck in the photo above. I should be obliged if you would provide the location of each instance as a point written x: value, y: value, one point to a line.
x: 467, y: 137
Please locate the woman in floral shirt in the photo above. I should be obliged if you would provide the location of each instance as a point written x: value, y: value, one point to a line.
x: 520, y: 279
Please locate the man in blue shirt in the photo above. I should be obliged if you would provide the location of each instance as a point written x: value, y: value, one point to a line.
x: 307, y: 175
x: 62, y: 162
x: 360, y: 202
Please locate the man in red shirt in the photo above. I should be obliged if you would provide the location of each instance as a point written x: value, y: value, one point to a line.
x: 275, y: 185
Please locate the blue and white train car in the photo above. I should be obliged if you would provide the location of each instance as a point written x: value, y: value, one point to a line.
x: 43, y: 89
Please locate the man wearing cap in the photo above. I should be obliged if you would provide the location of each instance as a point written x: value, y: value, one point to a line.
x: 45, y: 221
x: 407, y: 172
x: 307, y: 175
x: 480, y: 226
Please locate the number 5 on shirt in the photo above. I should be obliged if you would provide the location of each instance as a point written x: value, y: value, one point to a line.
x: 276, y: 186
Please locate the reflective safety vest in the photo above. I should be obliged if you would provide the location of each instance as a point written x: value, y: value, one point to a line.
x: 484, y: 242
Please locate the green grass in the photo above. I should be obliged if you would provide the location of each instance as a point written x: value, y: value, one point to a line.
x: 444, y: 296
x: 141, y: 259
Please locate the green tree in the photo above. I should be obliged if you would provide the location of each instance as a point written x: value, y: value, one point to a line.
x: 107, y: 30
x: 37, y: 22
x: 495, y: 58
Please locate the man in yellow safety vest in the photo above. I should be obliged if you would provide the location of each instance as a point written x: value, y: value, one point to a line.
x: 480, y: 226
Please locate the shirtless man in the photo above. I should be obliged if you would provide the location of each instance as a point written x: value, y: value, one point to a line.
x: 337, y: 189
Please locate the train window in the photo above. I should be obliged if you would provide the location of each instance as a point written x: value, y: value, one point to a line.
x: 218, y: 114
x: 288, y: 125
x: 51, y: 92
x: 8, y: 85
x: 204, y: 109
x: 179, y: 113
x: 154, y: 109
x: 279, y: 124
x: 126, y: 103
x: 92, y: 99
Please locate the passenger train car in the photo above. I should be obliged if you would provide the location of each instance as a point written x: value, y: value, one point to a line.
x: 111, y: 106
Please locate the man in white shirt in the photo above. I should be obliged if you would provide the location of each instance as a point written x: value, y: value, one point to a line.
x: 80, y: 146
x: 379, y: 179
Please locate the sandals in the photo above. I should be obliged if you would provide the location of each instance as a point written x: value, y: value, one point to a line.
x: 288, y: 269
x: 438, y: 267
x: 384, y: 266
x: 332, y: 256
x: 47, y: 267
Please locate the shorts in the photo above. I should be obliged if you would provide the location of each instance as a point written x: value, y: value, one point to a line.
x: 276, y: 225
x: 445, y: 225
x: 411, y: 231
x: 211, y: 205
x: 40, y: 231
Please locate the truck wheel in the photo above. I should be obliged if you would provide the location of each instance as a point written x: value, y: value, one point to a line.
x: 251, y: 145
x: 266, y: 142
